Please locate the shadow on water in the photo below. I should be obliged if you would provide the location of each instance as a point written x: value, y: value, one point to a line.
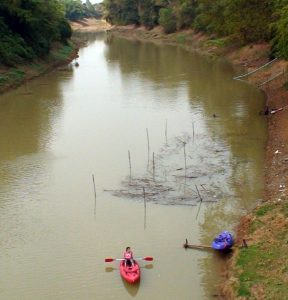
x: 110, y: 269
x: 132, y: 289
x: 148, y: 267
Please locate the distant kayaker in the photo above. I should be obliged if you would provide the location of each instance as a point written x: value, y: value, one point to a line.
x: 128, y: 255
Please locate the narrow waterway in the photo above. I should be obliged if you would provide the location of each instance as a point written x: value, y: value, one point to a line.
x: 59, y: 129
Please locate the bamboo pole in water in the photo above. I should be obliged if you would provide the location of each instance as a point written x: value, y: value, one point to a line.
x: 94, y: 193
x: 200, y: 197
x: 166, y: 129
x: 153, y: 166
x: 144, y: 196
x: 193, y: 131
x: 185, y: 162
x: 201, y: 200
x: 129, y: 157
x: 148, y: 145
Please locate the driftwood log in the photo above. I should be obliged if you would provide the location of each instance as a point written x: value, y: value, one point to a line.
x: 186, y: 245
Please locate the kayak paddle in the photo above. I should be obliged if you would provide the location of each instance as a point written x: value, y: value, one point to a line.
x: 147, y: 258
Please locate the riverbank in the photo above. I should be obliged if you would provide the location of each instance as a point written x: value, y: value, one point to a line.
x: 11, y: 77
x: 261, y: 270
x: 90, y: 25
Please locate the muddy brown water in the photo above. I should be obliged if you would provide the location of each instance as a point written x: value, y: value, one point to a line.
x: 58, y: 130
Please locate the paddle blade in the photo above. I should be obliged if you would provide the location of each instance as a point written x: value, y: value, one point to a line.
x: 109, y: 259
x: 148, y: 258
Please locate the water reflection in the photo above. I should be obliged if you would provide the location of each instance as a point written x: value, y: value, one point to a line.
x: 132, y: 289
x: 27, y: 121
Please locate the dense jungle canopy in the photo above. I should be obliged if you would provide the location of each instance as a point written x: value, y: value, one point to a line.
x: 28, y: 28
x: 243, y: 20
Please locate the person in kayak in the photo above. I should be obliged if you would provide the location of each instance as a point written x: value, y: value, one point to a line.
x: 128, y: 256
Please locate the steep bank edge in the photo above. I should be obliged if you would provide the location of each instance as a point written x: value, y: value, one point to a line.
x: 60, y: 55
x: 260, y: 271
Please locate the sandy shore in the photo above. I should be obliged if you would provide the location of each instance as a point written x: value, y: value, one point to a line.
x: 90, y: 25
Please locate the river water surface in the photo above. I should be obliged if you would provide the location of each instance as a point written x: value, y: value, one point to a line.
x: 59, y: 129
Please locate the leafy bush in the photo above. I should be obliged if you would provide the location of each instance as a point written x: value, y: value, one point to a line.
x: 167, y: 20
x: 280, y: 40
x: 13, y: 48
x: 28, y: 29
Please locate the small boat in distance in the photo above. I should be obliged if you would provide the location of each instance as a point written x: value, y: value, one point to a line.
x: 223, y: 241
x: 130, y: 273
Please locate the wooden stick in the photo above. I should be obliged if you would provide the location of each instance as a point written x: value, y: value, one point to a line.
x: 144, y: 196
x: 166, y: 133
x: 201, y: 199
x: 193, y: 131
x: 153, y: 166
x: 148, y: 145
x: 129, y: 164
x: 185, y: 159
x: 94, y: 193
x: 198, y: 247
x: 207, y: 247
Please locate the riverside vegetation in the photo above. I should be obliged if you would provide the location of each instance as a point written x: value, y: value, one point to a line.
x: 35, y: 36
x: 241, y: 20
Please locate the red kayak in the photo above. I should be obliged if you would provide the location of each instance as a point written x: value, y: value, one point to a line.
x: 130, y: 273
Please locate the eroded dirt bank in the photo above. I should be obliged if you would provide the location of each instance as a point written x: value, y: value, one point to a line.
x: 90, y: 25
x: 11, y: 77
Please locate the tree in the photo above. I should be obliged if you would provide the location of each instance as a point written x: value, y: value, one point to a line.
x: 147, y: 13
x: 280, y: 25
x: 29, y: 27
x: 185, y: 11
x: 122, y: 12
x: 74, y: 9
x: 211, y: 16
x: 167, y: 20
x: 249, y: 19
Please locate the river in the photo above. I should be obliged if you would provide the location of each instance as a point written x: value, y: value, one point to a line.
x: 60, y: 129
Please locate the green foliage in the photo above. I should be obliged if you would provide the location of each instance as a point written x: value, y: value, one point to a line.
x: 248, y: 260
x: 185, y: 13
x: 243, y: 20
x: 62, y: 53
x: 129, y: 13
x: 280, y: 40
x: 167, y: 20
x: 181, y: 39
x: 14, y: 76
x: 264, y: 209
x: 248, y: 21
x: 74, y: 9
x: 65, y: 30
x: 121, y: 12
x: 13, y: 48
x: 29, y: 27
x: 211, y: 16
x: 147, y: 13
x: 92, y: 11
